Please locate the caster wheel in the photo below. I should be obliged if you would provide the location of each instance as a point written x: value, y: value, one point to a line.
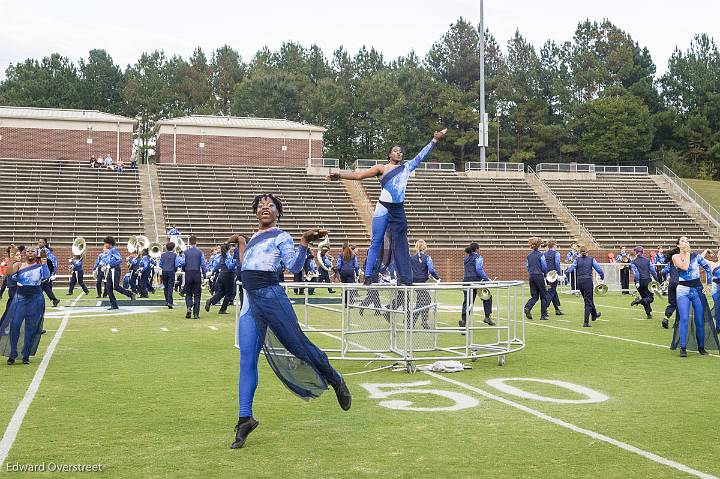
x: 410, y: 367
x: 501, y: 360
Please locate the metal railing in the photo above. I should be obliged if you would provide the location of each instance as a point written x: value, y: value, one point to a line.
x: 436, y: 166
x: 564, y: 207
x: 631, y: 170
x: 324, y: 162
x: 494, y: 166
x: 364, y: 163
x: 565, y: 168
x: 710, y: 211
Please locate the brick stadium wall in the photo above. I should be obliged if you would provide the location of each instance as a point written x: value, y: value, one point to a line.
x: 49, y: 144
x: 65, y: 253
x: 233, y: 150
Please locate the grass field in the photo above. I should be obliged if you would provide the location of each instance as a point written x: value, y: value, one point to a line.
x: 707, y: 189
x: 155, y: 395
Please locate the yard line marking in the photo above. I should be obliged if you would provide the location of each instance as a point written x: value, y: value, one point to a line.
x: 594, y: 435
x: 16, y: 421
x: 213, y: 328
x: 164, y: 329
x: 114, y: 330
x: 664, y: 346
x: 563, y: 320
x: 97, y: 303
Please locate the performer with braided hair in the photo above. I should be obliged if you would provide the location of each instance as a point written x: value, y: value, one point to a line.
x: 389, y: 216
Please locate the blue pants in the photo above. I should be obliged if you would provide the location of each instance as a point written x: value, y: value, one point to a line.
x: 270, y: 307
x: 537, y: 292
x: 390, y: 218
x: 29, y: 309
x: 168, y: 278
x: 716, y: 304
x: 112, y: 284
x: 687, y: 296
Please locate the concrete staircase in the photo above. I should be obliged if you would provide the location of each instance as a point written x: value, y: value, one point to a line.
x: 152, y: 209
x: 581, y: 234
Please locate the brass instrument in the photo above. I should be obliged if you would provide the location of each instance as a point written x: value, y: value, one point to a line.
x: 323, y: 247
x: 600, y: 289
x: 309, y: 276
x: 132, y: 244
x: 154, y: 250
x: 180, y: 246
x: 552, y: 276
x: 654, y: 287
x: 143, y: 243
x: 79, y: 247
x: 485, y: 294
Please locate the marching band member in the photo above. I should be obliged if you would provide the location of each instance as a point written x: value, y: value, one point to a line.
x: 659, y: 263
x: 348, y: 269
x: 225, y: 281
x: 474, y: 271
x: 624, y: 258
x: 112, y: 261
x: 168, y: 265
x: 76, y: 276
x: 324, y: 274
x: 569, y: 258
x: 212, y: 266
x: 643, y: 272
x: 99, y: 274
x: 552, y: 258
x: 689, y: 293
x: 584, y: 265
x: 537, y: 268
x: 173, y: 234
x: 266, y: 307
x: 673, y: 278
x: 133, y: 262
x: 422, y: 268
x: 52, y: 262
x: 308, y: 267
x: 28, y: 304
x: 145, y: 269
x: 389, y: 212
x: 195, y: 269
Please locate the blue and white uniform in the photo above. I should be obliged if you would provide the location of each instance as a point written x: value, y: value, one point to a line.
x: 77, y: 276
x: 537, y: 267
x: 474, y: 271
x: 224, y: 271
x: 266, y: 305
x: 389, y: 216
x: 28, y: 306
x: 113, y: 260
x: 716, y: 295
x: 552, y: 258
x: 690, y: 293
x: 583, y: 266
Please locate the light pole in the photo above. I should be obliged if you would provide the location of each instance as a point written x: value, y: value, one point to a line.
x: 497, y: 119
x: 482, y: 142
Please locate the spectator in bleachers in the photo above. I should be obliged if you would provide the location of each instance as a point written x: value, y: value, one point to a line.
x: 120, y: 165
x: 643, y: 272
x: 537, y: 268
x: 584, y: 265
x: 474, y: 271
x: 76, y: 275
x: 108, y: 162
x: 52, y: 261
x: 93, y: 162
x: 552, y: 257
x: 99, y: 162
x: 389, y: 215
x: 133, y: 159
x: 624, y: 257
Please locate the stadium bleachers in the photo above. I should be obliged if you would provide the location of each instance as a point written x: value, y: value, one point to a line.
x: 628, y: 209
x: 450, y: 210
x: 64, y: 199
x: 213, y: 202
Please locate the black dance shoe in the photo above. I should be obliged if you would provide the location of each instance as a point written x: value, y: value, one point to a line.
x: 596, y: 317
x: 10, y: 361
x: 559, y: 313
x: 242, y: 431
x: 344, y: 397
x: 528, y: 314
x: 683, y: 353
x: 586, y: 324
x: 55, y: 303
x: 207, y: 306
x: 666, y: 323
x: 27, y: 360
x: 488, y: 320
x: 223, y: 311
x: 544, y: 318
x: 702, y: 351
x: 188, y: 313
x: 635, y: 301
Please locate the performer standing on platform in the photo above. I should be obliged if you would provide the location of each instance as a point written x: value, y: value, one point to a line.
x: 389, y: 215
x: 306, y: 371
x: 537, y: 268
x: 76, y: 276
x: 552, y: 258
x: 474, y: 271
x: 624, y: 258
x: 584, y: 266
x: 52, y: 262
x: 195, y: 270
x: 173, y: 234
x: 112, y: 259
x: 28, y: 304
x: 643, y: 272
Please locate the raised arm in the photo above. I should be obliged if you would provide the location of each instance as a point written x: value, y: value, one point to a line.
x: 376, y: 170
x: 415, y: 162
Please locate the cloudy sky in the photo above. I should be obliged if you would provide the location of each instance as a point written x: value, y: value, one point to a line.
x: 125, y: 29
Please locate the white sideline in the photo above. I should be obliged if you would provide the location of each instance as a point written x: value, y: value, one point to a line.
x: 16, y: 421
x: 597, y: 436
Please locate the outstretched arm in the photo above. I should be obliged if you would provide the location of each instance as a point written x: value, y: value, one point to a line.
x: 415, y: 162
x: 376, y: 170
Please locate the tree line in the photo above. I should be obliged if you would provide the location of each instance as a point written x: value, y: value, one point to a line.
x: 594, y: 98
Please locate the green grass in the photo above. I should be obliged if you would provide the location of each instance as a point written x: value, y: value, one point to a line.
x: 709, y: 190
x: 154, y: 404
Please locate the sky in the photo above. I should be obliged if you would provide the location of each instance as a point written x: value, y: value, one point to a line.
x: 36, y: 28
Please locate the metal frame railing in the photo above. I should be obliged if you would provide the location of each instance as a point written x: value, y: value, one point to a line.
x: 710, y: 211
x: 324, y: 162
x: 495, y: 166
x: 631, y: 170
x: 565, y: 168
x: 436, y: 166
x: 364, y: 163
x: 564, y: 207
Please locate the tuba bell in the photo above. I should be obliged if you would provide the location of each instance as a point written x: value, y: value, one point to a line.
x: 132, y: 244
x: 654, y: 287
x: 143, y: 243
x: 180, y: 246
x: 154, y: 250
x: 551, y: 276
x: 323, y: 247
x: 79, y: 246
x: 485, y: 294
x: 600, y: 289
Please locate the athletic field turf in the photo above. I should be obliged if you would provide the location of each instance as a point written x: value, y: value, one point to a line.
x: 151, y: 394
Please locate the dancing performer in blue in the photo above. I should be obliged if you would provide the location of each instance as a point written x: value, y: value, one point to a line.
x: 28, y: 305
x: 389, y: 216
x: 689, y: 293
x: 299, y: 364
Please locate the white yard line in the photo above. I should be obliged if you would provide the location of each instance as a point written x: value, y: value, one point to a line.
x: 213, y: 328
x: 16, y: 421
x: 594, y: 435
x: 164, y: 329
x: 114, y: 330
